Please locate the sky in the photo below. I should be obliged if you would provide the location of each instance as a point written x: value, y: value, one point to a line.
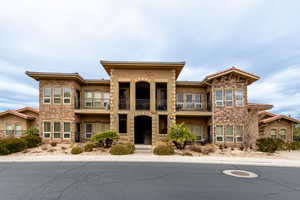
x: 258, y: 36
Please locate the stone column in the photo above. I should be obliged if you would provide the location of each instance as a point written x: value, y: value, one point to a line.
x: 152, y: 97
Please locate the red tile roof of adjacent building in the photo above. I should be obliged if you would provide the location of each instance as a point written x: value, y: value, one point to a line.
x: 15, y: 113
x: 277, y: 117
x: 27, y: 108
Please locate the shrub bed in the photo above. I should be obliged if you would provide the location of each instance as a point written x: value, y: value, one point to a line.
x: 122, y: 149
x: 88, y: 147
x: 32, y: 140
x: 204, y: 149
x: 163, y: 149
x: 268, y: 145
x: 76, y: 150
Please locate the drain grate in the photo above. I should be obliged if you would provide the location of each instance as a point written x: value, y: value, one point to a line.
x: 240, y: 173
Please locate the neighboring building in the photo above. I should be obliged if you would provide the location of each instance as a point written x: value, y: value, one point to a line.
x: 276, y: 126
x: 143, y: 99
x: 14, y: 123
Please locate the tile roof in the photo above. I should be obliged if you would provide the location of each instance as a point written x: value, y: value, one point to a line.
x: 260, y: 106
x: 27, y: 108
x: 277, y: 117
x: 15, y: 113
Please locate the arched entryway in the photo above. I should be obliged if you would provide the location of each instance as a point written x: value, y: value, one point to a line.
x: 142, y: 95
x: 143, y: 130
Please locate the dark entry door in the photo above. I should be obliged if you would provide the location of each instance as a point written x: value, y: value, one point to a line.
x: 142, y: 130
x: 77, y: 134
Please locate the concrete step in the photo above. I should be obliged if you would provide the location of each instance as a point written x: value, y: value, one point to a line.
x: 143, y: 148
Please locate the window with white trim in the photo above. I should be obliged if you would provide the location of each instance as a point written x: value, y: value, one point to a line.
x: 229, y: 134
x: 198, y: 104
x: 57, y: 95
x: 18, y: 128
x: 239, y: 97
x: 9, y: 129
x: 219, y: 97
x: 67, y: 95
x: 106, y: 99
x: 88, y: 130
x: 219, y: 133
x: 282, y: 134
x: 273, y: 133
x: 56, y: 130
x: 67, y: 130
x: 88, y: 101
x: 189, y: 101
x: 47, y: 95
x: 229, y: 97
x: 47, y: 129
x: 197, y: 130
x: 239, y: 133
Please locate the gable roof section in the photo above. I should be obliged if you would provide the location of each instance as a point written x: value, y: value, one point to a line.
x: 278, y: 117
x: 15, y: 113
x: 27, y: 108
x: 108, y: 65
x: 266, y: 113
x: 235, y: 70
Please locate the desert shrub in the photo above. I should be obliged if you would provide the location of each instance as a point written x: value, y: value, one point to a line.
x: 205, y: 149
x: 281, y: 145
x: 3, y: 149
x: 267, y: 145
x: 32, y: 140
x: 163, y: 149
x: 242, y: 147
x: 120, y: 149
x: 88, y: 147
x: 53, y: 144
x: 179, y: 134
x: 107, y: 137
x: 295, y: 145
x: 76, y: 150
x: 33, y: 131
x: 131, y: 147
x: 187, y: 154
x: 14, y: 145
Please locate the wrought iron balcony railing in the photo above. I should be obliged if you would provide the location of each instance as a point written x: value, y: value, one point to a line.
x: 95, y: 103
x: 184, y: 106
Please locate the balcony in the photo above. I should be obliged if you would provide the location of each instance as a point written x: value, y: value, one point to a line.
x: 162, y: 104
x: 124, y: 104
x: 142, y: 104
x: 192, y: 109
x: 94, y: 106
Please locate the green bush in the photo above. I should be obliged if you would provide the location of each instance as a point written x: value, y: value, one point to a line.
x: 88, y: 147
x: 32, y: 140
x: 3, y: 149
x: 14, y: 145
x: 122, y: 149
x: 293, y: 146
x: 33, y: 131
x: 76, y: 150
x: 163, y: 149
x: 267, y: 145
x: 107, y: 137
x: 179, y: 134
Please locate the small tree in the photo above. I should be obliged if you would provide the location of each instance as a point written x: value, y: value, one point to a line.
x: 107, y: 137
x: 33, y: 131
x: 179, y: 134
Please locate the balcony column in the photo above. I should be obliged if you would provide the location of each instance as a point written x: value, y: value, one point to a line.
x: 132, y: 95
x: 152, y: 96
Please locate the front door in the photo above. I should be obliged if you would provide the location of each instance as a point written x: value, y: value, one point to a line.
x: 143, y: 130
x: 77, y: 134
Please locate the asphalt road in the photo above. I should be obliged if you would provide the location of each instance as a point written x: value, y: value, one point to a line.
x: 142, y: 181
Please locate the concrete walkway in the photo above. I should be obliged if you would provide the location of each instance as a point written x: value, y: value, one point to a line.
x: 148, y: 157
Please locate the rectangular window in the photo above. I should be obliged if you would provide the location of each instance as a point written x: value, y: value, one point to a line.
x: 47, y: 130
x: 88, y: 99
x: 229, y: 134
x: 122, y: 123
x: 67, y: 130
x: 57, y: 95
x: 97, y: 100
x: 239, y: 97
x: 189, y: 101
x: 163, y: 124
x: 67, y: 95
x: 18, y: 130
x: 220, y: 133
x: 57, y: 130
x: 179, y: 98
x: 197, y: 130
x: 9, y: 129
x: 106, y: 99
x: 239, y: 133
x: 198, y: 104
x: 273, y: 133
x: 88, y: 130
x: 219, y: 97
x: 228, y: 97
x: 282, y: 134
x: 47, y: 95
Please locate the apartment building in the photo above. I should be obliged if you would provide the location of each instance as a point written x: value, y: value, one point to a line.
x: 141, y: 100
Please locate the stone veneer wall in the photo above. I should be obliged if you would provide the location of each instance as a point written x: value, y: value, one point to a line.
x: 225, y: 115
x: 265, y: 129
x: 134, y: 76
x: 58, y: 112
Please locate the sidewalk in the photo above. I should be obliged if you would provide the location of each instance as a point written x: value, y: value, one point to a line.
x: 148, y: 157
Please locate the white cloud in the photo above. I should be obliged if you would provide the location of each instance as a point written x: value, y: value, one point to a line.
x: 13, y: 86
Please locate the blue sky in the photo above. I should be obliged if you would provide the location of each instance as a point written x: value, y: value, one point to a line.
x: 262, y: 37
